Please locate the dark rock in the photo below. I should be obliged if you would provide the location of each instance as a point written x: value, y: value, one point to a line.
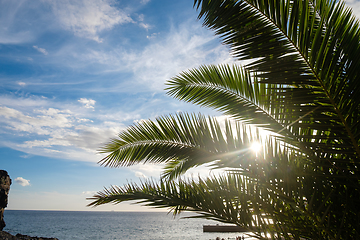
x: 5, y: 183
x: 8, y: 236
x: 25, y: 237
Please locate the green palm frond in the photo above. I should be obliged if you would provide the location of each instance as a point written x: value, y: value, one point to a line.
x: 307, y: 50
x: 228, y: 199
x: 182, y: 141
x: 222, y: 199
x: 228, y: 89
x: 302, y: 85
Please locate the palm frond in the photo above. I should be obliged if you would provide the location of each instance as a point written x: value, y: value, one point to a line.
x: 306, y: 49
x: 178, y: 136
x: 228, y: 89
x: 229, y: 199
x: 183, y: 141
x: 220, y: 199
x: 302, y: 84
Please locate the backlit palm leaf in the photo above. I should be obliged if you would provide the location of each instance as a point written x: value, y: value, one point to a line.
x: 228, y: 199
x: 229, y: 89
x: 182, y: 141
x: 307, y: 49
x: 302, y: 85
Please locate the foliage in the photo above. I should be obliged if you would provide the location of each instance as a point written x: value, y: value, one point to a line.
x: 302, y: 85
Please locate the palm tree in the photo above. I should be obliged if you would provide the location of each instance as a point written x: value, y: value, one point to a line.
x: 302, y: 86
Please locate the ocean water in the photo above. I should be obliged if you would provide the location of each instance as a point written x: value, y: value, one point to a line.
x: 67, y: 225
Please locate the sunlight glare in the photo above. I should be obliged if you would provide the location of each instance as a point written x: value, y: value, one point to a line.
x: 255, y: 147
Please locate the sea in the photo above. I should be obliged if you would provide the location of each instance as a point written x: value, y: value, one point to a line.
x: 72, y: 225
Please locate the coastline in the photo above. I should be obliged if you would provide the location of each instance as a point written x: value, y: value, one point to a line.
x: 7, y: 236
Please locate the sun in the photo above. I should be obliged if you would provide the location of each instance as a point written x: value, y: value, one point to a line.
x: 255, y: 147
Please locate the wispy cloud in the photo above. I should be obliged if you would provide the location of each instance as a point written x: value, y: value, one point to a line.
x: 49, y: 126
x: 22, y: 181
x: 10, y: 31
x: 144, y: 25
x: 144, y: 1
x: 42, y: 50
x: 151, y: 36
x: 14, y: 38
x: 87, y: 18
x: 184, y: 47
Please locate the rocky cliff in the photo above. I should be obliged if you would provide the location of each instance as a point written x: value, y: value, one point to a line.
x: 5, y: 183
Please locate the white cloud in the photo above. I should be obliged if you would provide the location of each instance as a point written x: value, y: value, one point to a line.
x: 137, y: 121
x: 87, y: 18
x: 141, y: 18
x: 41, y: 124
x: 140, y: 174
x: 152, y: 36
x: 22, y: 181
x: 42, y: 50
x: 27, y: 103
x: 22, y: 84
x: 91, y: 137
x: 68, y: 130
x: 89, y: 193
x: 79, y: 142
x: 147, y: 170
x: 355, y: 5
x: 83, y: 120
x: 27, y: 125
x: 88, y: 103
x: 144, y: 25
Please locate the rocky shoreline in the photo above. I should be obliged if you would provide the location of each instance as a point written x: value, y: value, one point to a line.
x: 7, y: 236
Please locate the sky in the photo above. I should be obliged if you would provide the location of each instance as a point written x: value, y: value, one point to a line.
x: 73, y: 74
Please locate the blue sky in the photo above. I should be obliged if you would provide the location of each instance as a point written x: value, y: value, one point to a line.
x: 73, y: 73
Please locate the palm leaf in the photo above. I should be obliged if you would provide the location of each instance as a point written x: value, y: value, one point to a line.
x: 228, y: 199
x: 229, y: 89
x: 301, y: 84
x: 307, y: 49
x: 182, y: 141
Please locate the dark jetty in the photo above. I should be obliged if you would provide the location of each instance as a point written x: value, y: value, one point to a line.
x: 223, y: 228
